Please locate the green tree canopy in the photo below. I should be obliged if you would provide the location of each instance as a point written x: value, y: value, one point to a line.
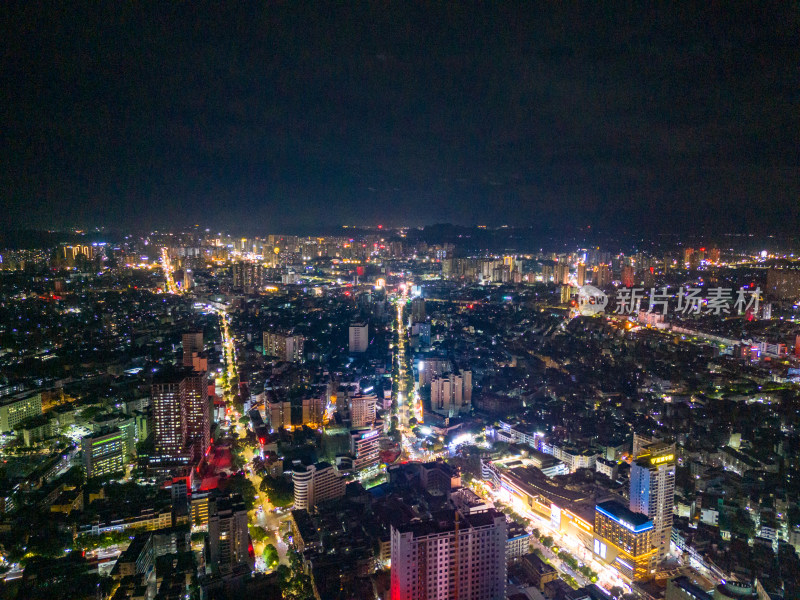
x: 279, y: 491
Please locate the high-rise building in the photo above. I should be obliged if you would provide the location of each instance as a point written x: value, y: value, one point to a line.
x: 17, y: 408
x: 418, y: 310
x: 285, y: 346
x: 315, y: 484
x: 104, y: 452
x: 280, y: 414
x: 314, y: 410
x: 169, y: 419
x: 365, y: 448
x: 228, y: 537
x: 188, y: 279
x: 566, y: 294
x: 581, y: 275
x: 451, y: 395
x: 71, y: 253
x: 431, y: 367
x: 688, y: 253
x: 248, y: 277
x: 624, y: 540
x: 362, y: 409
x: 652, y: 491
x: 192, y: 343
x: 423, y: 333
x: 628, y: 276
x: 181, y: 415
x: 455, y: 555
x: 194, y: 400
x: 359, y: 337
x: 561, y: 273
x: 602, y: 276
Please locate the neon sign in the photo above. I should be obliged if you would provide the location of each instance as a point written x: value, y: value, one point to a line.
x: 657, y: 460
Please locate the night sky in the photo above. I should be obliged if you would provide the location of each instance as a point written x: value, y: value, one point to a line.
x: 288, y: 116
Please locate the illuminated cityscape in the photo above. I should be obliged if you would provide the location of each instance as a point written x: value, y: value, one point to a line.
x: 400, y: 301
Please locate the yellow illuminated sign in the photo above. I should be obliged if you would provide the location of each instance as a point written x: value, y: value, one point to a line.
x: 578, y: 521
x: 657, y: 460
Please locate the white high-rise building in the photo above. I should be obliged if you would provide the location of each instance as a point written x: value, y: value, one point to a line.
x: 652, y: 491
x: 462, y: 556
x: 359, y: 337
x: 315, y: 484
x: 362, y: 409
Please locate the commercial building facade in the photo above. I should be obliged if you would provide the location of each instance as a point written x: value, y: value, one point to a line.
x: 624, y: 540
x: 104, y: 452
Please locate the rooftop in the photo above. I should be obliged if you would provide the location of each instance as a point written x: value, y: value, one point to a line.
x: 636, y: 522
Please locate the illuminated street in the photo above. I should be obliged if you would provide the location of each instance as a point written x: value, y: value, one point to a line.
x: 169, y: 272
x: 408, y: 402
x: 262, y: 514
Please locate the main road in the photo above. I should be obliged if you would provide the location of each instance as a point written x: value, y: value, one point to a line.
x: 261, y: 515
x: 407, y: 401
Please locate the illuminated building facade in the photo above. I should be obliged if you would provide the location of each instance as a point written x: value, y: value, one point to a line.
x: 652, y: 491
x: 104, y: 452
x: 314, y: 410
x: 16, y: 409
x: 365, y: 446
x: 623, y: 539
x: 248, y: 277
x: 181, y: 415
x: 169, y: 421
x: 194, y: 402
x: 283, y: 346
x: 280, y: 415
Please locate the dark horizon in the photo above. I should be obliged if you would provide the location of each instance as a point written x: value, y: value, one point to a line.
x: 679, y: 119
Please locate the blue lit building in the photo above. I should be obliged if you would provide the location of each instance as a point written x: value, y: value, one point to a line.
x: 652, y: 491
